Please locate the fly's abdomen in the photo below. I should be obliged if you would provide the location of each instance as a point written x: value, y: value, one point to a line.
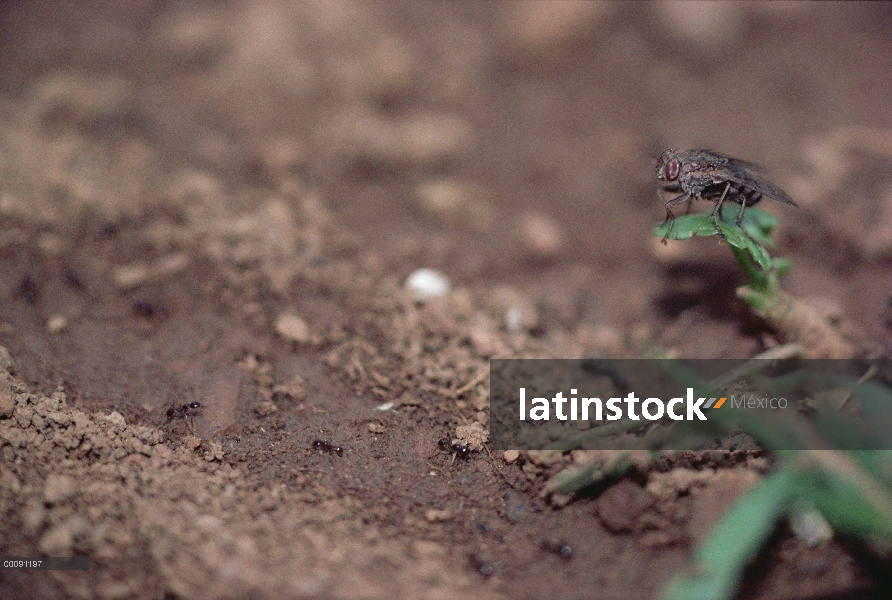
x: 737, y: 193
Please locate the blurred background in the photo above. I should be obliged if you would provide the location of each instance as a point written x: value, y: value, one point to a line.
x: 507, y: 142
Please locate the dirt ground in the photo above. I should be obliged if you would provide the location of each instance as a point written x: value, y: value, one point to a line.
x: 219, y: 202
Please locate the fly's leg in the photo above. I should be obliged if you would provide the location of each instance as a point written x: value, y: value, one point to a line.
x: 717, y: 211
x: 740, y: 220
x: 670, y: 216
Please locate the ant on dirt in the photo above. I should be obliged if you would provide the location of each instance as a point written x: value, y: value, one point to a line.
x: 183, y: 410
x: 457, y: 448
x: 326, y: 446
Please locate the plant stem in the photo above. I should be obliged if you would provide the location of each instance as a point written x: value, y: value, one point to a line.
x: 760, y: 281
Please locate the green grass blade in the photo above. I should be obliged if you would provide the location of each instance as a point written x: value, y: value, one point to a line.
x: 719, y: 562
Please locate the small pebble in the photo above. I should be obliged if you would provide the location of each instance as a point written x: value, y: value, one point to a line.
x: 441, y: 197
x: 56, y: 323
x: 811, y: 527
x: 131, y: 276
x: 434, y: 515
x: 621, y: 504
x: 542, y: 236
x: 425, y: 284
x: 511, y: 456
x: 293, y: 328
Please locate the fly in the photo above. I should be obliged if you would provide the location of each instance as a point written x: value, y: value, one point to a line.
x: 712, y: 176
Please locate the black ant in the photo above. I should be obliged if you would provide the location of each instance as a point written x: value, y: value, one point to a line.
x: 326, y: 446
x: 456, y: 447
x: 183, y: 410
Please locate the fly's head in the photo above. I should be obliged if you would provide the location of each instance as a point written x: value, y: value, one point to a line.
x: 668, y: 167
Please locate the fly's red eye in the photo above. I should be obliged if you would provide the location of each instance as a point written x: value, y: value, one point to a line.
x: 672, y: 170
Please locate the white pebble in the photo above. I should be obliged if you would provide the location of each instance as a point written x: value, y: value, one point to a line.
x: 811, y: 527
x: 425, y: 284
x: 513, y: 319
x: 56, y: 323
x: 292, y: 327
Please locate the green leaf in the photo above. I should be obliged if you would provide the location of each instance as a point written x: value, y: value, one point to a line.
x: 847, y: 509
x: 754, y: 231
x: 736, y: 237
x: 720, y: 560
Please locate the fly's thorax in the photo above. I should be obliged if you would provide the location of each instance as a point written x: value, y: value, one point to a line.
x: 695, y: 183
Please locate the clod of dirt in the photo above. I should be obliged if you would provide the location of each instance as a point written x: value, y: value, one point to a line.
x: 214, y: 452
x: 7, y: 402
x: 434, y: 515
x: 515, y: 507
x: 59, y: 488
x: 544, y: 458
x: 453, y: 199
x: 486, y: 340
x: 473, y: 435
x: 621, y: 505
x: 296, y: 389
x: 542, y: 237
x: 134, y: 275
x: 265, y: 408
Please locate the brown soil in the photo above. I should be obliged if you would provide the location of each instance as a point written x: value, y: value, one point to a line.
x: 219, y: 203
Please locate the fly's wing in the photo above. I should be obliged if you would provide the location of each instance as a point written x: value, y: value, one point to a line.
x: 747, y: 166
x: 752, y: 176
x: 735, y: 163
x: 763, y: 186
